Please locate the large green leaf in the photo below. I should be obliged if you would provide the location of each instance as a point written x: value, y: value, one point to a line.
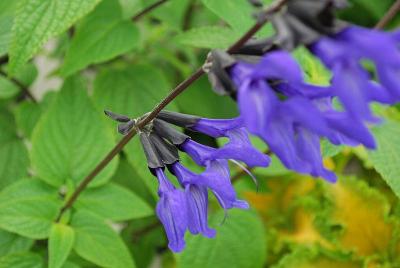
x: 61, y: 241
x: 240, y: 243
x: 13, y: 154
x: 114, y: 202
x: 386, y: 159
x: 208, y: 37
x: 91, y: 45
x: 22, y: 260
x: 13, y: 243
x: 28, y: 208
x: 133, y: 91
x: 98, y: 243
x: 37, y: 21
x: 71, y: 138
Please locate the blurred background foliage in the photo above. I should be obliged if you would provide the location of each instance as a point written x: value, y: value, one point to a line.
x: 96, y: 58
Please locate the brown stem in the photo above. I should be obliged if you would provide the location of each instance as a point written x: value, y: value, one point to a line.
x: 148, y: 9
x: 171, y: 96
x: 23, y: 88
x: 393, y: 10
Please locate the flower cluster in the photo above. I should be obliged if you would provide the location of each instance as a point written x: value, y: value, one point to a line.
x: 277, y: 105
x: 185, y: 207
x: 292, y: 116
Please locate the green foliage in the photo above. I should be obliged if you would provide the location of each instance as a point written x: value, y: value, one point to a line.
x: 7, y: 10
x: 386, y: 158
x: 89, y: 45
x: 105, y: 60
x: 36, y: 21
x: 71, y: 138
x: 114, y: 202
x: 246, y: 247
x: 28, y: 208
x: 143, y: 84
x: 13, y: 154
x: 208, y: 37
x: 61, y: 241
x: 22, y: 260
x: 13, y: 243
x: 98, y: 243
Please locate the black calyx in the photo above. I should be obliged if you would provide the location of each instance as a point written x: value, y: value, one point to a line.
x: 304, y: 21
x: 126, y: 124
x: 166, y: 131
x: 218, y: 74
x: 178, y: 119
x: 167, y: 152
x: 153, y: 158
x: 117, y: 117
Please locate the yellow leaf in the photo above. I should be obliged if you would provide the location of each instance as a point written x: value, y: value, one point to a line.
x: 362, y: 211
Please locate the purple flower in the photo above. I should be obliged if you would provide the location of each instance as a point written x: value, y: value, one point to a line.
x: 238, y: 148
x: 290, y: 125
x: 172, y: 211
x: 343, y: 53
x: 216, y: 177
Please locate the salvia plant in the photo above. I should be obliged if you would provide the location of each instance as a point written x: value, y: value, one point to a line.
x: 299, y: 96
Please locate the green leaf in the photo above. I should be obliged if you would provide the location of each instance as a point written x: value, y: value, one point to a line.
x: 13, y: 243
x: 61, y: 241
x: 7, y: 88
x: 90, y: 45
x: 127, y: 177
x: 27, y: 115
x: 114, y: 202
x: 133, y: 91
x: 21, y: 260
x: 237, y: 13
x: 208, y: 37
x: 98, y: 243
x: 192, y: 102
x: 7, y: 10
x: 330, y: 150
x: 240, y: 243
x: 176, y: 7
x: 386, y: 159
x: 71, y: 138
x: 315, y: 71
x: 14, y: 159
x: 37, y: 21
x: 28, y: 208
x: 6, y: 23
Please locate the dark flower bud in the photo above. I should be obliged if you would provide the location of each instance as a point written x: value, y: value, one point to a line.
x: 168, y: 153
x: 166, y: 131
x: 153, y: 158
x: 117, y: 117
x: 178, y: 119
x: 220, y: 62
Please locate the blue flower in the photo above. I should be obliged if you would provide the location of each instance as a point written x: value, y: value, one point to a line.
x: 185, y: 207
x: 343, y: 53
x: 238, y: 148
x: 290, y: 123
x: 216, y: 177
x: 172, y: 211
